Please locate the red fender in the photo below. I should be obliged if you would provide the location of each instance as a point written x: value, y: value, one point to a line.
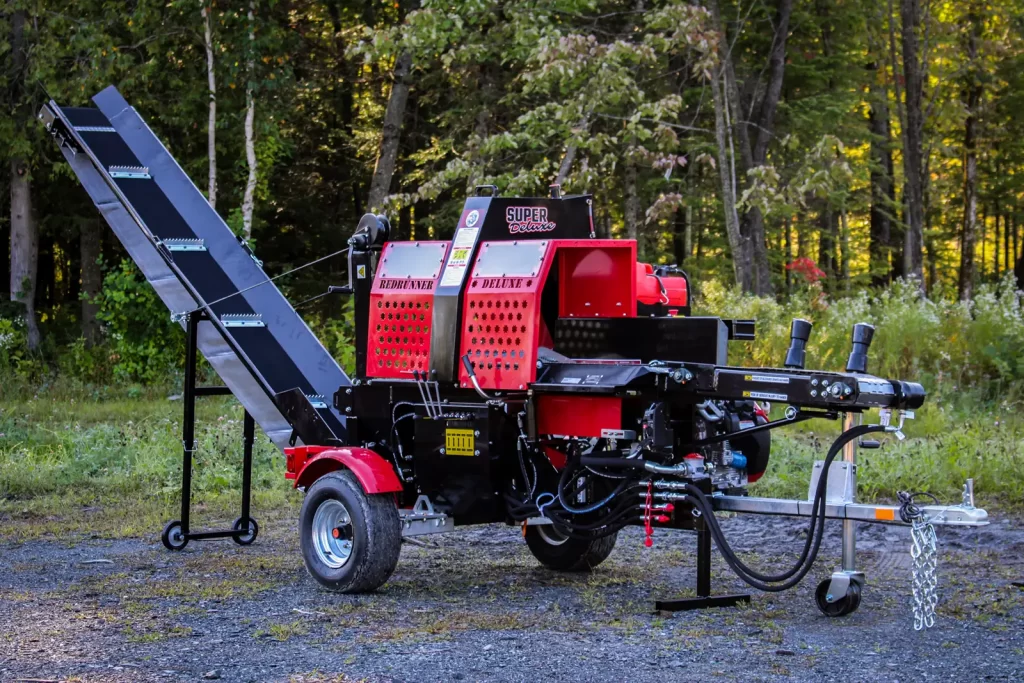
x: 306, y: 464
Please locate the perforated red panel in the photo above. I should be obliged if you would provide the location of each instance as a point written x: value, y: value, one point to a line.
x: 501, y: 313
x: 400, y: 308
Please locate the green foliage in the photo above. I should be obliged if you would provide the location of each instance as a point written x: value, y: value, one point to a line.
x: 64, y: 442
x: 142, y: 343
x: 975, y: 347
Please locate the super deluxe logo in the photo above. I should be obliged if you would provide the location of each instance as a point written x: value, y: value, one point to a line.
x: 528, y: 219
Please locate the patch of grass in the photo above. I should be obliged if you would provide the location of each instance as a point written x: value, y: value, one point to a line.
x: 154, y: 635
x: 283, y: 632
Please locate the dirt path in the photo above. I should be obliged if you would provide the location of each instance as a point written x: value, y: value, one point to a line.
x: 474, y: 605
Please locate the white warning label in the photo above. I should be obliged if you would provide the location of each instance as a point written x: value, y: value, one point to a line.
x: 766, y: 379
x: 765, y: 396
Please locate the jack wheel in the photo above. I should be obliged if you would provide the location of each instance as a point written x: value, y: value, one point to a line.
x: 250, y: 526
x: 173, y: 537
x: 839, y: 607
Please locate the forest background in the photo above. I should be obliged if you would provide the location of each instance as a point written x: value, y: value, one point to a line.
x: 841, y: 160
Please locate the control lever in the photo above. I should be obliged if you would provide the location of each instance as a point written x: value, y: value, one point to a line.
x: 858, y: 361
x: 799, y: 333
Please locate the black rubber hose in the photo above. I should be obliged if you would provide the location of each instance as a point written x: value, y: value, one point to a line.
x: 809, y: 554
x: 615, y: 463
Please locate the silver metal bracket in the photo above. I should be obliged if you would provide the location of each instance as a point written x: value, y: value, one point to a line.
x: 241, y: 320
x: 184, y: 244
x: 422, y: 519
x: 129, y: 172
x: 842, y: 481
x: 316, y: 400
x: 840, y: 584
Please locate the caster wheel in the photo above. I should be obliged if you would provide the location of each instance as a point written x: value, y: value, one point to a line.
x: 251, y: 527
x: 172, y: 537
x: 840, y: 607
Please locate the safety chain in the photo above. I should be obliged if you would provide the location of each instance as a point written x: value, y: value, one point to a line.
x: 925, y: 557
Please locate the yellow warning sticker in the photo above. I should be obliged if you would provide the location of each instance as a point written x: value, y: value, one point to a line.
x: 459, y: 442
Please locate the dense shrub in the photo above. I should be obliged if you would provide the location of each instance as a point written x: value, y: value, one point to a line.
x: 977, y: 345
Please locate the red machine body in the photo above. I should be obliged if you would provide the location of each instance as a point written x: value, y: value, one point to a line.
x: 652, y: 289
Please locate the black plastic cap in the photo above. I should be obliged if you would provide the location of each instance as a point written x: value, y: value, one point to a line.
x: 799, y: 333
x: 909, y: 394
x: 862, y: 335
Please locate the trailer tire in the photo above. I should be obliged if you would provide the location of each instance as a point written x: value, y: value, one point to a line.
x: 564, y: 554
x: 350, y: 539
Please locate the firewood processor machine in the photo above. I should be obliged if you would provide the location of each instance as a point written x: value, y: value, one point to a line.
x: 525, y: 372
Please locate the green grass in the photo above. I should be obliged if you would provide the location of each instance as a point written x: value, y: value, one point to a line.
x: 109, y: 465
x: 945, y: 445
x: 112, y: 467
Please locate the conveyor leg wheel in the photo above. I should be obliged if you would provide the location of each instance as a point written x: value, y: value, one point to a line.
x: 173, y: 537
x: 837, y: 606
x: 251, y: 528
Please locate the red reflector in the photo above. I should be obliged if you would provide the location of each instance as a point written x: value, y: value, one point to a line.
x: 335, y: 533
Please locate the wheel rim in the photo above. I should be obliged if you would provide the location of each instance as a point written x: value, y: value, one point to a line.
x: 246, y: 525
x: 176, y: 536
x: 550, y: 535
x: 332, y: 533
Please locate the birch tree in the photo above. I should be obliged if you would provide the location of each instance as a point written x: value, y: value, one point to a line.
x: 249, y: 201
x: 211, y: 81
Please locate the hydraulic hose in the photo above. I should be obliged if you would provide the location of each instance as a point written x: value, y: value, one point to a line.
x: 793, y: 576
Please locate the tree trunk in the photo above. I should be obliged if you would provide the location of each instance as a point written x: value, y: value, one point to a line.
x: 754, y: 153
x: 24, y: 246
x: 883, y: 194
x: 913, y: 258
x: 380, y: 186
x: 741, y: 261
x: 787, y: 255
x: 680, y: 230
x: 828, y: 232
x: 24, y: 232
x: 249, y: 200
x: 753, y: 219
x: 92, y: 279
x: 631, y: 210
x: 844, y: 250
x: 570, y: 153
x: 211, y: 131
x: 965, y: 287
x: 995, y: 244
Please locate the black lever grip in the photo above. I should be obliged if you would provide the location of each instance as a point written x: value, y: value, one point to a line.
x: 799, y: 333
x: 858, y: 361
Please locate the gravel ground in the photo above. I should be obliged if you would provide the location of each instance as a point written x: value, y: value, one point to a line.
x: 474, y: 605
